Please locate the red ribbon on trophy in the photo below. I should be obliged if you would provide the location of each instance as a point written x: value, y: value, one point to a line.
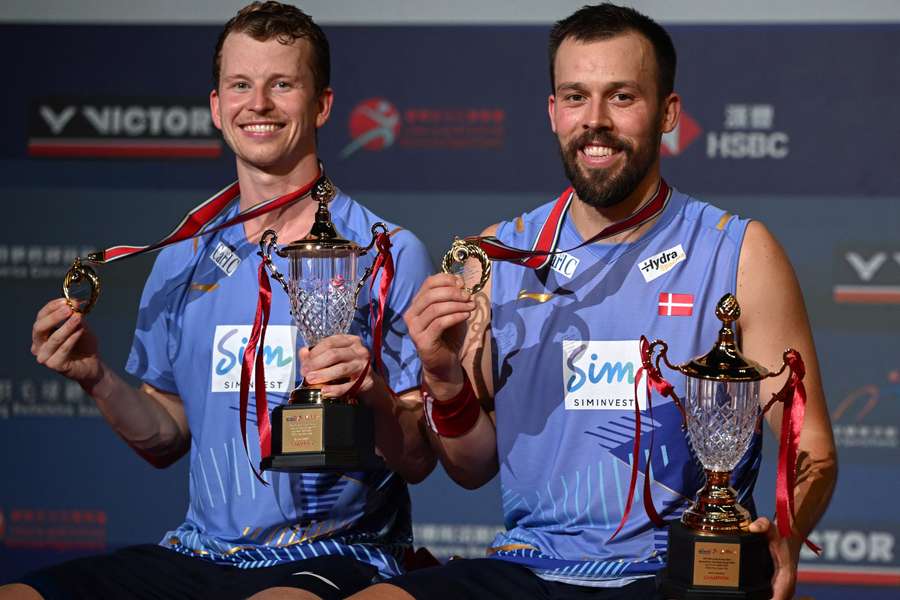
x: 793, y: 397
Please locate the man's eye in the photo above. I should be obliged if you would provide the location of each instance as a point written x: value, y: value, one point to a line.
x: 282, y: 85
x: 241, y: 85
x: 623, y: 98
x: 575, y: 98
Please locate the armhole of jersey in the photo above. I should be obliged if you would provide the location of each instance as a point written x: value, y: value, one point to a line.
x: 739, y: 246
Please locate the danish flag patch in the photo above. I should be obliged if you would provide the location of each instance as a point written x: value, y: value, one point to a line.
x: 676, y: 305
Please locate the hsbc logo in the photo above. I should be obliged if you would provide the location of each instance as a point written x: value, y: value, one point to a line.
x: 748, y: 133
x: 868, y: 274
x: 121, y: 128
x: 676, y: 141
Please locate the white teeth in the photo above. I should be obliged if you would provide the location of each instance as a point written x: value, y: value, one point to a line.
x: 598, y: 151
x: 260, y: 128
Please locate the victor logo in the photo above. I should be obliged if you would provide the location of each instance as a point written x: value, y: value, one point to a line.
x: 600, y: 375
x: 867, y: 274
x: 121, y: 127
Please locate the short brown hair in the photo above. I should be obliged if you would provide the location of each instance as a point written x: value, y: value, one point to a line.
x: 267, y: 20
x: 604, y: 21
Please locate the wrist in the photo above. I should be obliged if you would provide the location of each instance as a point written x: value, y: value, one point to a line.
x: 445, y: 384
x: 452, y: 416
x: 95, y: 384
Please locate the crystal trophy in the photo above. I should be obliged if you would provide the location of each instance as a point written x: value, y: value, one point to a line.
x: 312, y: 431
x: 711, y: 553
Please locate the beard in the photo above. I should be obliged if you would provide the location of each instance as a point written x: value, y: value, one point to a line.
x: 603, y: 188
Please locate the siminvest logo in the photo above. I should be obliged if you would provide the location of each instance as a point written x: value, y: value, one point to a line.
x: 676, y: 141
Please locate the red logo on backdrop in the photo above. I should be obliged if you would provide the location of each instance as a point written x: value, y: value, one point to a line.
x: 58, y: 529
x: 675, y: 142
x: 374, y: 125
x: 676, y: 305
x: 857, y: 421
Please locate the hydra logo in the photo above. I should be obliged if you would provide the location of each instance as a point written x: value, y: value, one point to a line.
x: 599, y: 375
x: 676, y: 141
x: 374, y: 125
x: 660, y: 264
x: 229, y: 345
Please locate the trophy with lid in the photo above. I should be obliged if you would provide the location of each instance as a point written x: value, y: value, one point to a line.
x: 711, y: 553
x: 312, y: 431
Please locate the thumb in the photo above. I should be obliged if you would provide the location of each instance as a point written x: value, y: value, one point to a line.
x: 762, y: 525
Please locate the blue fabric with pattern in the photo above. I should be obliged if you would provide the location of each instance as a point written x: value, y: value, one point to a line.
x: 565, y: 471
x: 189, y: 300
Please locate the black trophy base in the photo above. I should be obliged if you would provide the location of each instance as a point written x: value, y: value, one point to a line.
x: 322, y: 437
x: 703, y: 566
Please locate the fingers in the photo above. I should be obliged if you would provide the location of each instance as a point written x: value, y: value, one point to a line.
x: 341, y: 389
x: 60, y: 359
x: 440, y: 304
x: 58, y: 344
x: 334, y: 358
x: 48, y: 318
x: 438, y: 288
x: 762, y: 525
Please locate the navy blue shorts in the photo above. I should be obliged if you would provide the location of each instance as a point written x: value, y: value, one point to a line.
x: 489, y: 578
x: 155, y: 572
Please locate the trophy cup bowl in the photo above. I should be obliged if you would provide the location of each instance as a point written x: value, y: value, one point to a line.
x: 312, y: 431
x: 711, y: 553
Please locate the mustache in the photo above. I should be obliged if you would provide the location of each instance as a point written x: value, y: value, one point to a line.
x: 602, y: 138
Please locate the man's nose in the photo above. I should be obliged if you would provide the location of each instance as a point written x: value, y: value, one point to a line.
x: 261, y: 101
x: 598, y: 116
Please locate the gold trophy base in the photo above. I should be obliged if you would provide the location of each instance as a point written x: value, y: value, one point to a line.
x: 710, y: 552
x: 313, y: 433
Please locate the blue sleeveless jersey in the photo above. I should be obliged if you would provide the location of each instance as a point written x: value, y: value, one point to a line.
x: 196, y: 314
x: 566, y: 353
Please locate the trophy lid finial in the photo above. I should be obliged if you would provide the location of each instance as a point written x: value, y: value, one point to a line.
x: 322, y: 235
x: 724, y: 362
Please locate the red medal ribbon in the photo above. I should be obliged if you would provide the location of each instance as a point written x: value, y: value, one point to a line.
x: 545, y: 244
x: 193, y: 224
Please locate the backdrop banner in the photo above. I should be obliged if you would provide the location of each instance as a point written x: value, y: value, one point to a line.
x: 444, y: 129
